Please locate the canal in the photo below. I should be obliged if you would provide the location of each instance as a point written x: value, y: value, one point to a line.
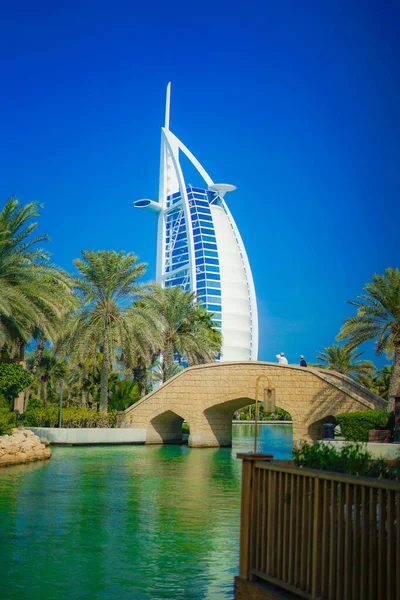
x: 127, y: 522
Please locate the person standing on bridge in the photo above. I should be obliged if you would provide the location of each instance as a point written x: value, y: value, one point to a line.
x: 303, y: 361
x: 282, y: 360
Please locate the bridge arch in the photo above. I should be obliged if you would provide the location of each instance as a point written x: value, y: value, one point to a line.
x: 165, y: 428
x: 315, y: 429
x: 206, y: 396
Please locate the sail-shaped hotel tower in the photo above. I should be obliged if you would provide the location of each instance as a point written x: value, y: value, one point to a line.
x: 199, y: 247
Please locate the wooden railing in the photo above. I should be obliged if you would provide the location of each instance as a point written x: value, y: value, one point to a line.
x: 320, y: 535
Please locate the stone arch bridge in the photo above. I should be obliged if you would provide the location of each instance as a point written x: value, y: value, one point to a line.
x: 206, y: 396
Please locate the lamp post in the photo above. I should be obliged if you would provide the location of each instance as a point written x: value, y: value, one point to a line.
x: 61, y: 399
x: 269, y: 396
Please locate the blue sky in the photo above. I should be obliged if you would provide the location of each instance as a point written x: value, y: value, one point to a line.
x: 296, y: 103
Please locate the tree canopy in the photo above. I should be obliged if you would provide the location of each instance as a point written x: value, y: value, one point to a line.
x: 378, y: 318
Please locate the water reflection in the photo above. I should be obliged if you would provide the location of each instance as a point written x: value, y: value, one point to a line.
x: 272, y: 439
x: 150, y: 523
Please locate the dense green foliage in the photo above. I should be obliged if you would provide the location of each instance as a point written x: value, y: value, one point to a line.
x: 378, y: 382
x: 41, y: 417
x: 7, y: 421
x: 279, y: 415
x: 76, y: 417
x: 378, y: 318
x: 355, y: 426
x: 351, y: 459
x: 13, y: 379
x: 123, y: 393
x: 248, y: 414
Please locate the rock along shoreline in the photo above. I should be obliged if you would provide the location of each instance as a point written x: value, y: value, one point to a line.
x: 22, y: 446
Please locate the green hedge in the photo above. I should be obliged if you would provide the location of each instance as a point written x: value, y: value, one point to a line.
x: 279, y: 415
x: 71, y: 417
x: 351, y: 459
x: 7, y: 421
x: 87, y: 417
x: 355, y: 426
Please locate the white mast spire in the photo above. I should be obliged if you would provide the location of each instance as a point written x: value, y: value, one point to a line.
x: 168, y: 106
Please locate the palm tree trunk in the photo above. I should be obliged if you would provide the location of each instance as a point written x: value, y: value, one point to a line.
x: 35, y: 366
x: 27, y: 396
x: 140, y: 375
x: 13, y: 351
x: 394, y: 389
x: 168, y: 359
x: 45, y: 389
x: 104, y: 376
x: 38, y: 355
x: 39, y: 389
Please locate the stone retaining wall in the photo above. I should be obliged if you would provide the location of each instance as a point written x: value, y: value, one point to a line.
x: 22, y: 446
x: 387, y: 451
x: 67, y: 436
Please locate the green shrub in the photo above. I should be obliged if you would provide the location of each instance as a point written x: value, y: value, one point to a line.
x: 279, y: 415
x: 35, y: 403
x: 5, y: 403
x: 13, y: 379
x: 75, y: 417
x: 351, y: 459
x: 355, y: 426
x: 7, y: 421
x: 41, y: 417
x: 87, y: 417
x: 123, y: 393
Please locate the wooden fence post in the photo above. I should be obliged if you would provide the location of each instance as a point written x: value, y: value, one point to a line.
x: 246, y: 508
x: 316, y: 540
x: 245, y: 517
x: 397, y: 411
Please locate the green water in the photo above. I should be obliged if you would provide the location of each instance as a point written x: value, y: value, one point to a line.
x: 134, y: 522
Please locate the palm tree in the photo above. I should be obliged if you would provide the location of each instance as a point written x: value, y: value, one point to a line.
x: 124, y: 392
x: 382, y: 381
x: 158, y: 373
x: 34, y: 293
x: 143, y: 344
x: 107, y: 282
x: 187, y: 330
x: 379, y: 382
x: 90, y: 383
x: 51, y: 372
x: 345, y: 360
x: 378, y: 318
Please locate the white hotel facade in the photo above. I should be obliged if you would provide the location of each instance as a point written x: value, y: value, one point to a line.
x: 199, y: 247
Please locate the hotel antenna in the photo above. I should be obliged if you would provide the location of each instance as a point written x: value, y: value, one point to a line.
x: 168, y: 105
